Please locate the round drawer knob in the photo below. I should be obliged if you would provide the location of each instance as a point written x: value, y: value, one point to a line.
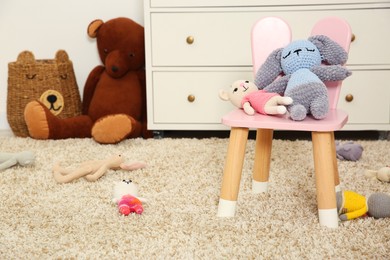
x: 349, y: 97
x: 353, y: 38
x: 191, y: 98
x: 190, y: 39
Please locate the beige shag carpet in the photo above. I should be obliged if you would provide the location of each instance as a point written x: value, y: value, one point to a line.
x: 41, y: 219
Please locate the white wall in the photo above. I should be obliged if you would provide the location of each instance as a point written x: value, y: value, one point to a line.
x: 45, y: 26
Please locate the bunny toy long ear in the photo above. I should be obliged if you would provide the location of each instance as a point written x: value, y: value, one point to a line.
x: 270, y: 69
x: 331, y: 51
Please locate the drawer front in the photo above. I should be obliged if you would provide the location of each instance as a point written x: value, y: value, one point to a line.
x: 223, y: 39
x: 171, y: 91
x: 371, y: 97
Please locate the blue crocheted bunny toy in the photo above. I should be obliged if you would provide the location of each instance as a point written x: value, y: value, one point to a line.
x: 304, y: 65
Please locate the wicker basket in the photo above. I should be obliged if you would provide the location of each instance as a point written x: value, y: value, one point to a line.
x: 51, y: 81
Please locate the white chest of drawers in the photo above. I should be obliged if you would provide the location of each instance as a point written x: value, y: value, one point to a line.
x: 196, y: 47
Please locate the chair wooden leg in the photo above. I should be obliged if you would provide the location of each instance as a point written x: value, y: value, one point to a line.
x: 324, y: 164
x: 232, y: 172
x: 262, y: 163
x: 335, y: 168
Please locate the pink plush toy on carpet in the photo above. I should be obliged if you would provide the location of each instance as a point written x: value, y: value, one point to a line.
x: 126, y: 197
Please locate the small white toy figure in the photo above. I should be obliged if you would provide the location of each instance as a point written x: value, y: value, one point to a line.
x: 126, y: 197
x: 244, y: 94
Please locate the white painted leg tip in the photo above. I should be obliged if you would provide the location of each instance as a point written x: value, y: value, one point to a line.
x: 226, y: 208
x: 328, y: 218
x: 337, y: 188
x: 259, y: 187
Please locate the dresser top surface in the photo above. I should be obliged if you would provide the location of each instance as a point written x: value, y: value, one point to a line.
x: 247, y: 3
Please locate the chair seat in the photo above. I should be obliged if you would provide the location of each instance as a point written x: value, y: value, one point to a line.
x: 334, y: 121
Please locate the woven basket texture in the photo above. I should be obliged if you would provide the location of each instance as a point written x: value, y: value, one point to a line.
x: 51, y: 81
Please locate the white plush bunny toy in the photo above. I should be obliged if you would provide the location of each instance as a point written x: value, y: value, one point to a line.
x: 244, y: 94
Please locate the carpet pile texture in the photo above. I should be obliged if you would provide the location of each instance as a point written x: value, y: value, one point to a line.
x: 43, y: 219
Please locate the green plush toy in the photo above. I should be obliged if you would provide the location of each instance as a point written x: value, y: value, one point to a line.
x: 351, y: 205
x: 8, y: 160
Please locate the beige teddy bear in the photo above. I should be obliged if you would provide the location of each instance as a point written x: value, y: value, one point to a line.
x: 94, y: 169
x: 383, y: 174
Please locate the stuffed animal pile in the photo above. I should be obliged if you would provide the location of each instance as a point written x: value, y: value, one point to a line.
x: 114, y: 98
x: 113, y: 109
x: 299, y: 71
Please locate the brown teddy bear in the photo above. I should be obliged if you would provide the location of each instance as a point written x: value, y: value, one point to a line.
x: 114, y: 98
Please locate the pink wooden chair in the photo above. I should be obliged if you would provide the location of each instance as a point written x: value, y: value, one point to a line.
x: 268, y: 34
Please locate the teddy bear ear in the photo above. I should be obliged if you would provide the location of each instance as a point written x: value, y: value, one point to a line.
x: 26, y: 57
x: 93, y: 27
x: 62, y: 56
